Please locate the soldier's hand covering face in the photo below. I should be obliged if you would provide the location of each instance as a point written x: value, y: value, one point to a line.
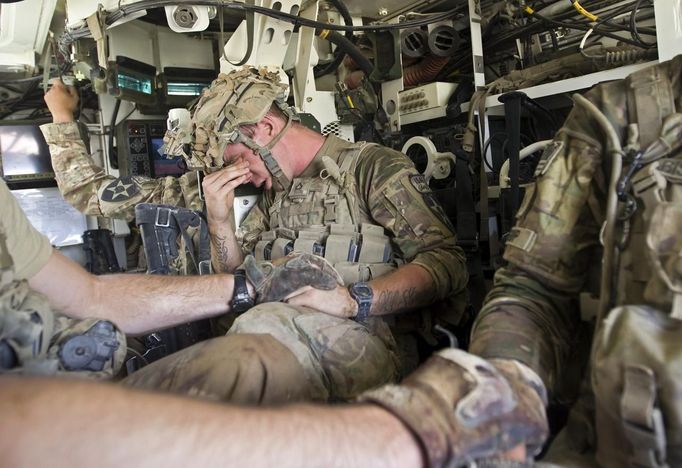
x: 219, y: 190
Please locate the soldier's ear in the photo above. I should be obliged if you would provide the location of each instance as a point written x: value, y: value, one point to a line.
x: 268, y: 126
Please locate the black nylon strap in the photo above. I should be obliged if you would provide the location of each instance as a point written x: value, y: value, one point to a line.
x: 249, y: 34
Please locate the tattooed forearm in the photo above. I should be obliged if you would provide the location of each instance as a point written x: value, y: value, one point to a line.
x: 395, y: 301
x: 221, y: 258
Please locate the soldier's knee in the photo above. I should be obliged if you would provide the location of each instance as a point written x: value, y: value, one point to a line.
x: 248, y: 369
x: 265, y: 318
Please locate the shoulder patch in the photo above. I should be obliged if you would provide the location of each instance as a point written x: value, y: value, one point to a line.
x: 419, y: 182
x: 548, y: 155
x: 121, y: 189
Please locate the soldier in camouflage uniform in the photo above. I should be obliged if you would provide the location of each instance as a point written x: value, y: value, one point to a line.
x: 90, y: 190
x: 609, y: 187
x: 33, y: 339
x: 363, y: 207
x: 85, y: 185
x: 614, y: 172
x: 184, y: 431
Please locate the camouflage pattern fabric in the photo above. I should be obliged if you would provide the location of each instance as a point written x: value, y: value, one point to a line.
x: 240, y: 369
x: 276, y: 353
x: 533, y: 313
x: 88, y: 189
x: 274, y: 281
x: 461, y: 407
x: 390, y: 193
x: 341, y: 358
x: 45, y: 343
x: 241, y: 97
x: 637, y: 378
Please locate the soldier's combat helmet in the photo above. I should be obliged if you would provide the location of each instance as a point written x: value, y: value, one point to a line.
x: 241, y: 97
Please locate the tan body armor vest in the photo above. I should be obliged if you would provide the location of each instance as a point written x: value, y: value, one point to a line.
x: 325, y: 215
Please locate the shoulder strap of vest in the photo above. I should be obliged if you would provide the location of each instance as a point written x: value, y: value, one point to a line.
x: 350, y: 162
x: 347, y: 167
x: 650, y: 100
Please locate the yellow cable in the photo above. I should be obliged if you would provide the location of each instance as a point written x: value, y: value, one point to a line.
x: 350, y: 102
x: 529, y: 10
x: 579, y: 8
x: 324, y: 33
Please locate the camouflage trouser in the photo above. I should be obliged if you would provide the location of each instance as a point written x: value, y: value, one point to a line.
x: 277, y: 352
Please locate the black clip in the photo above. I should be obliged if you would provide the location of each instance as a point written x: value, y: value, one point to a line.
x: 634, y: 159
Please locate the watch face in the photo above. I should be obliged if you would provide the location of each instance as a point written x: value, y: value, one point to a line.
x: 362, y: 290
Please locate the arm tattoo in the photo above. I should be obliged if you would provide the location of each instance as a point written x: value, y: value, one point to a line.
x: 395, y: 301
x: 221, y: 252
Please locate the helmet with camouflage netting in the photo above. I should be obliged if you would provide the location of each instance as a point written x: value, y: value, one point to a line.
x: 241, y: 97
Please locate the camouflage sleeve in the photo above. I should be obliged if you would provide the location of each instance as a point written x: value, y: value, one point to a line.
x: 532, y: 313
x: 85, y: 185
x: 400, y: 200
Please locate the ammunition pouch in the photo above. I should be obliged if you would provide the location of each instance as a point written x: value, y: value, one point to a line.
x: 358, y: 253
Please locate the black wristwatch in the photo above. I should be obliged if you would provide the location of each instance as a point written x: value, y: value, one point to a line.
x: 241, y: 299
x: 363, y: 294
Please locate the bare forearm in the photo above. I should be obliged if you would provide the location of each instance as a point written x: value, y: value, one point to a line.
x: 77, y: 423
x: 139, y: 304
x: 409, y: 287
x: 136, y: 303
x: 226, y: 255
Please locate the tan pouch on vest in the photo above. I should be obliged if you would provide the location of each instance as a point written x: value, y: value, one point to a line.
x: 263, y: 248
x: 637, y: 382
x: 341, y: 243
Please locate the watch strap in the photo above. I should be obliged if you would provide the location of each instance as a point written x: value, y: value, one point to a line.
x: 364, y: 301
x: 241, y: 299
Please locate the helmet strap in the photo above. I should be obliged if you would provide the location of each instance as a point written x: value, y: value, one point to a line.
x: 282, y: 181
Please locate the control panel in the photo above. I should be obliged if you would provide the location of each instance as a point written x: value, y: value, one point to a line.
x: 139, y: 142
x: 424, y: 102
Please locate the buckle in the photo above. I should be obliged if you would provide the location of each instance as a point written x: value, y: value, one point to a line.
x: 158, y: 217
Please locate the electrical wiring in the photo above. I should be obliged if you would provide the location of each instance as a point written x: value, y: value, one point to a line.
x: 532, y: 13
x: 487, y: 143
x: 633, y: 26
x: 113, y: 161
x: 338, y: 53
x: 499, y: 39
x: 607, y: 22
x: 126, y: 10
x: 580, y: 9
x: 30, y: 99
x: 496, y: 136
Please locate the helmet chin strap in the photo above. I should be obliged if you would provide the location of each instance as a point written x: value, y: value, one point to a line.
x: 282, y: 182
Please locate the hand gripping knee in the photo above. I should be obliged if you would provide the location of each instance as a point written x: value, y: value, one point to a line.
x: 274, y: 281
x: 461, y: 407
